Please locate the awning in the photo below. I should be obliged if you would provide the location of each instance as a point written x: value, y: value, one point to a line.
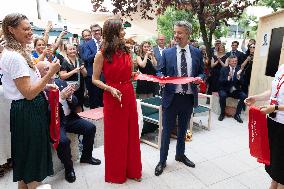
x: 140, y: 28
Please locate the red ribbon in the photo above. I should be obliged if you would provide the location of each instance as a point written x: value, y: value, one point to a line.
x: 54, y: 126
x: 165, y: 80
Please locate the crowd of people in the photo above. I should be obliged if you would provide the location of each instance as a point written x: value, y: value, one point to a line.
x: 103, y: 66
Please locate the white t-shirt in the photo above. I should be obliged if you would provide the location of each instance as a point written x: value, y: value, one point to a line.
x: 13, y: 66
x: 280, y: 114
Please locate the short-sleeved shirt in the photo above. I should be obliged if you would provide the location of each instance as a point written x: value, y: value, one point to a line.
x: 278, y: 79
x: 13, y: 66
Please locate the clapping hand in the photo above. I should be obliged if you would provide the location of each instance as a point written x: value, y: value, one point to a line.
x: 54, y: 67
x: 67, y: 92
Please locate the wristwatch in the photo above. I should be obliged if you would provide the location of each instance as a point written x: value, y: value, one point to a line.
x: 276, y: 108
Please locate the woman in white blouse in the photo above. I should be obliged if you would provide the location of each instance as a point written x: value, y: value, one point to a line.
x: 275, y: 123
x: 29, y: 122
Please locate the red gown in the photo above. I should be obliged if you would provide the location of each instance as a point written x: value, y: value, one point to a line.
x: 121, y: 134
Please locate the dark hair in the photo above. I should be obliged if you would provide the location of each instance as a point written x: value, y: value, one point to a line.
x: 85, y: 30
x: 38, y: 39
x: 235, y: 42
x: 231, y: 57
x: 95, y: 25
x: 111, y: 40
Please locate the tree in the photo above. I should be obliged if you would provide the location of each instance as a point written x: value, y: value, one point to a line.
x: 167, y: 19
x: 274, y: 4
x: 248, y: 23
x: 210, y: 13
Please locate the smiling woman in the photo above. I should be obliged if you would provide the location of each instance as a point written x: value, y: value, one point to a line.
x: 31, y: 152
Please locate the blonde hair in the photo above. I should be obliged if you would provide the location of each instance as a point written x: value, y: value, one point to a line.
x: 13, y: 20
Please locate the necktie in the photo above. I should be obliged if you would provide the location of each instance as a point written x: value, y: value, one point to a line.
x: 233, y: 73
x: 183, y: 67
x: 234, y: 53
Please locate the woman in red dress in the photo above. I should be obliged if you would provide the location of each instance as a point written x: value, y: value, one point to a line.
x: 121, y: 135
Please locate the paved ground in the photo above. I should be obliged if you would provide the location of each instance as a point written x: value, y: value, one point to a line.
x: 221, y: 156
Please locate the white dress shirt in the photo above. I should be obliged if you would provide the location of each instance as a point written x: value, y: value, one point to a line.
x: 189, y: 67
x: 161, y: 50
x: 97, y: 44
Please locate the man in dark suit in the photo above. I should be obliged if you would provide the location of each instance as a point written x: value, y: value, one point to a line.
x: 158, y: 55
x: 71, y: 122
x: 159, y: 49
x: 230, y: 86
x: 88, y: 53
x: 178, y: 101
x: 235, y: 52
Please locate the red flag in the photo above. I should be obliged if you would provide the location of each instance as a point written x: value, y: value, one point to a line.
x: 54, y: 126
x: 258, y: 135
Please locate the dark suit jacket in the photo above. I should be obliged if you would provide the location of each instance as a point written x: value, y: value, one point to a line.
x: 227, y: 85
x: 157, y: 56
x: 72, y: 105
x: 169, y: 68
x: 239, y: 55
x: 88, y: 53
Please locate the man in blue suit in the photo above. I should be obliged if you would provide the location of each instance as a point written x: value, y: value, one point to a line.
x: 159, y: 49
x: 86, y: 36
x: 158, y: 55
x: 178, y: 100
x: 89, y: 51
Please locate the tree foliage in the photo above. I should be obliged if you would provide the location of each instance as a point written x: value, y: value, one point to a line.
x: 209, y: 13
x: 170, y: 16
x: 248, y: 23
x: 274, y: 4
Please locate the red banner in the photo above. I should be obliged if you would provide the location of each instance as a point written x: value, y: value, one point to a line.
x: 258, y: 135
x: 54, y: 127
x: 164, y: 80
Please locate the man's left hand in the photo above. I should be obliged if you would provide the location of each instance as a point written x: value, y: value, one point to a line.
x: 197, y: 81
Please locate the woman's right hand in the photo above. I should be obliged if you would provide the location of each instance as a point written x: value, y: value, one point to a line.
x: 76, y: 70
x: 249, y: 101
x: 116, y: 93
x: 54, y: 67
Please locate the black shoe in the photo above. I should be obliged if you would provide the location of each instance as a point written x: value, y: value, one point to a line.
x: 160, y: 168
x: 238, y: 118
x: 70, y: 176
x: 185, y: 160
x: 221, y: 117
x: 91, y: 161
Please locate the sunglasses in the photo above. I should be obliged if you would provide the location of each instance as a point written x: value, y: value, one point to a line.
x: 252, y: 47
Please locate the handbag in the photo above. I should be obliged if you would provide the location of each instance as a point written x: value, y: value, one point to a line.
x: 258, y: 135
